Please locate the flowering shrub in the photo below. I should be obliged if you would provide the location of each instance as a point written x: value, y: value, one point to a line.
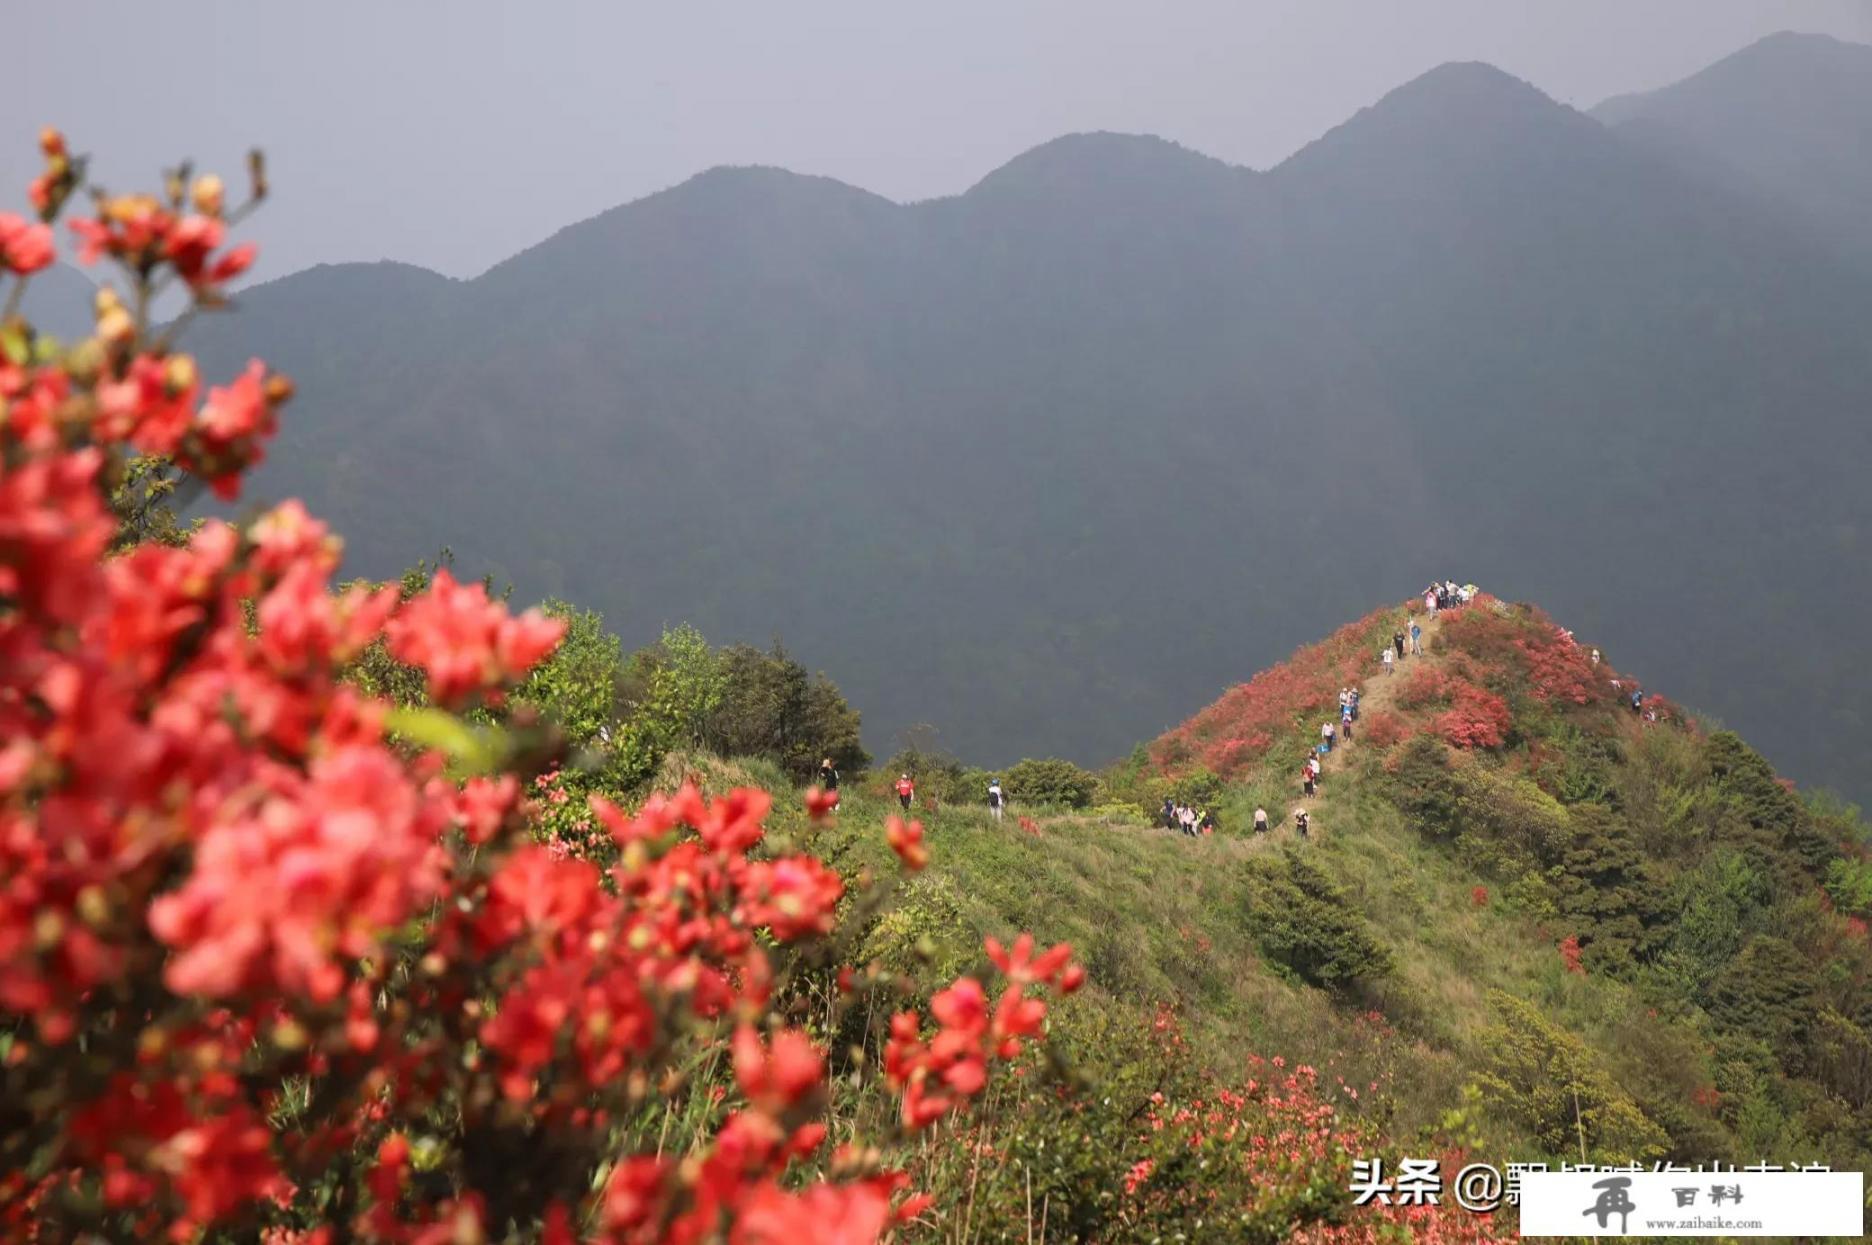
x: 1476, y: 718
x: 1239, y: 729
x: 1382, y: 730
x: 1570, y: 954
x: 1426, y: 685
x: 282, y: 961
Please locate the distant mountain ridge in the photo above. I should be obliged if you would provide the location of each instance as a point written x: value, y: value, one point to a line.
x: 1789, y: 117
x: 1045, y: 462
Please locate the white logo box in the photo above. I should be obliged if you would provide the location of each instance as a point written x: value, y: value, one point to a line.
x: 1693, y: 1203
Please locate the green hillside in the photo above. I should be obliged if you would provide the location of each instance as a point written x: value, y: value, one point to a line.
x: 1590, y: 929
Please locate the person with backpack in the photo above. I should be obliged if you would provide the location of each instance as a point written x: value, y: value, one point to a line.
x: 1168, y: 813
x: 1207, y: 822
x: 1306, y: 777
x: 1300, y: 822
x: 995, y: 799
x: 1345, y: 725
x: 906, y: 791
x: 1261, y: 821
x: 1326, y: 735
x: 1637, y: 700
x: 1397, y: 642
x: 1416, y: 639
x: 1352, y: 699
x: 828, y: 779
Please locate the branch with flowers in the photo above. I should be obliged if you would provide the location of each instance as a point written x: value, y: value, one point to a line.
x: 282, y: 962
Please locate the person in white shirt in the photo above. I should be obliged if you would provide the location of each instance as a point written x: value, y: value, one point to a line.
x: 1389, y: 667
x: 1326, y: 735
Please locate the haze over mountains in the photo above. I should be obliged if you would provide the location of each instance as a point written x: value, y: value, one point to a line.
x: 1050, y: 462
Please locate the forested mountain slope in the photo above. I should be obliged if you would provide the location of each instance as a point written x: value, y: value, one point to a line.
x: 1039, y: 463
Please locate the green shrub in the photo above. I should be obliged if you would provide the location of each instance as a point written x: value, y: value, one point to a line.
x: 1849, y: 885
x: 1551, y: 1083
x: 1766, y: 993
x: 1051, y: 781
x: 1306, y: 924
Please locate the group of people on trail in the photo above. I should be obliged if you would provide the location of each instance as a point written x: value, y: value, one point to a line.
x: 1440, y: 596
x: 1261, y: 825
x: 1407, y: 639
x: 1186, y: 817
x: 1310, y: 773
x: 906, y: 791
x: 1332, y: 731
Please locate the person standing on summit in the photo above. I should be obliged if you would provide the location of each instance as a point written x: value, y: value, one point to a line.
x: 995, y: 799
x: 906, y: 791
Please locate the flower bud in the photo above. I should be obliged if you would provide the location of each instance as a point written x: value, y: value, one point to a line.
x: 209, y: 195
x: 48, y: 929
x: 179, y: 375
x: 51, y: 142
x: 92, y: 907
x: 116, y: 327
x: 279, y: 389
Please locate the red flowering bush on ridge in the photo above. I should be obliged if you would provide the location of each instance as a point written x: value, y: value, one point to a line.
x: 1426, y: 685
x: 1382, y: 730
x: 1269, y: 1157
x: 1476, y: 718
x: 1239, y: 729
x: 280, y: 962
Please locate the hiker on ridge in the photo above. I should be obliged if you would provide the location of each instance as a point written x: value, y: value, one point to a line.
x: 1260, y: 821
x: 1397, y: 642
x: 995, y: 799
x: 1168, y: 813
x: 1300, y: 822
x: 1326, y: 735
x: 906, y: 790
x: 1387, y: 659
x: 1416, y: 641
x: 1306, y: 777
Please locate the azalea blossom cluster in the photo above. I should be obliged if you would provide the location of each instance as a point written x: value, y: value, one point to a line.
x: 938, y: 1076
x: 1280, y: 1153
x: 273, y: 963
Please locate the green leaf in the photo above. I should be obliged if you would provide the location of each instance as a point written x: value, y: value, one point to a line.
x: 14, y: 346
x: 470, y: 750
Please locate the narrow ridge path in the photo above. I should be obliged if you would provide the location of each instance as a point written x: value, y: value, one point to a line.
x: 1377, y: 691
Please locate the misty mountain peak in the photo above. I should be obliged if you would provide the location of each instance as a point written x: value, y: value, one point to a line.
x: 1087, y: 161
x: 1459, y: 110
x: 1791, y: 63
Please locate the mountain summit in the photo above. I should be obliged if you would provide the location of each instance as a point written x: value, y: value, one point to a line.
x: 1037, y: 463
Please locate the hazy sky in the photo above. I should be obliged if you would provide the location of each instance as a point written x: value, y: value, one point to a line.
x: 454, y: 134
